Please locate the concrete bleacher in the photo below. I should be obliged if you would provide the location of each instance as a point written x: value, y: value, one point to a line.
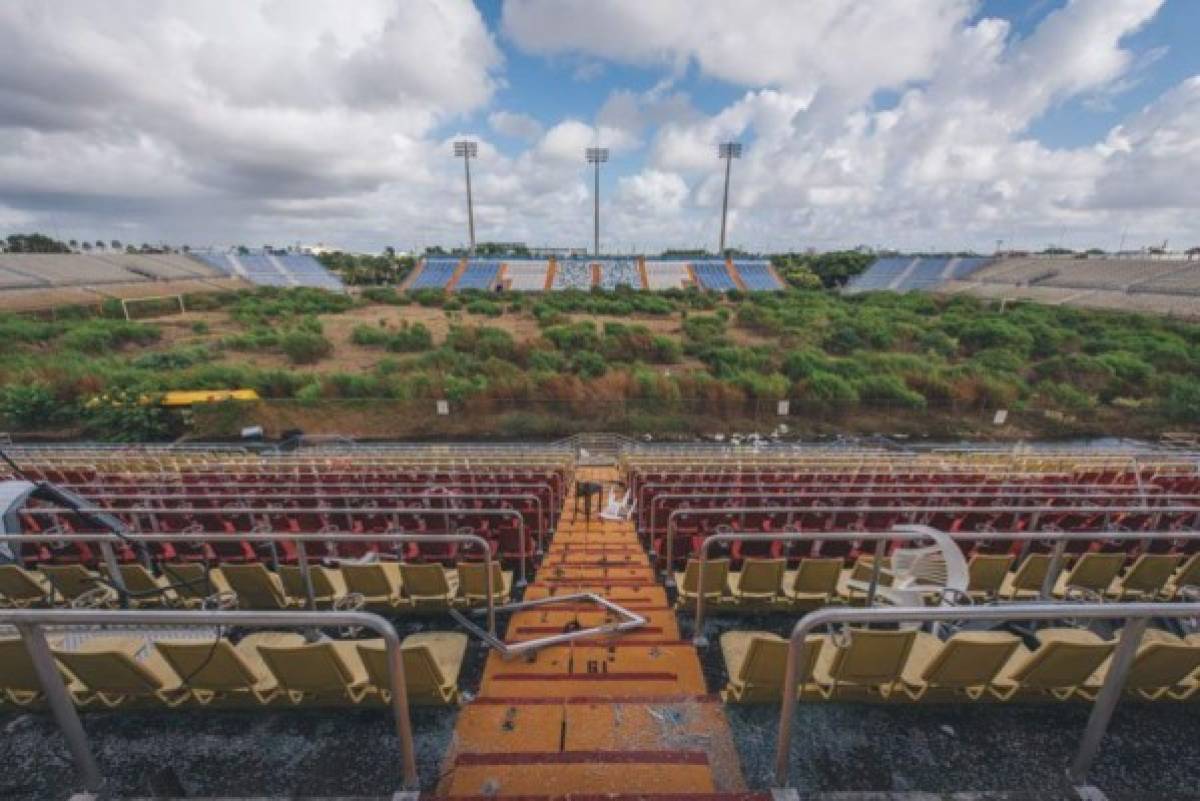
x: 619, y: 272
x: 481, y: 274
x: 757, y: 276
x: 435, y: 274
x: 304, y: 270
x: 879, y: 276
x: 264, y: 268
x: 527, y: 275
x: 714, y: 276
x: 573, y: 275
x: 662, y: 275
x: 1183, y: 279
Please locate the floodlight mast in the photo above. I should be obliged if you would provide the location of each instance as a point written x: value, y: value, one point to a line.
x: 728, y: 151
x: 468, y: 150
x: 596, y: 156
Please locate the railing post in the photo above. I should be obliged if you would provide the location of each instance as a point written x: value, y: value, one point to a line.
x: 1106, y: 700
x: 669, y: 569
x: 1052, y: 570
x: 61, y: 705
x: 521, y: 580
x: 698, y: 638
x: 400, y: 711
x: 876, y: 566
x: 306, y: 576
x: 114, y: 572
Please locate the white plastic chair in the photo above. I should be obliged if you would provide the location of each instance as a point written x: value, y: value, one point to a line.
x: 918, y: 572
x: 618, y: 509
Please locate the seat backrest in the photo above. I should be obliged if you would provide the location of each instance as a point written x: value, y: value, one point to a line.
x: 425, y: 580
x: 311, y: 667
x: 970, y: 659
x: 207, y: 666
x: 1189, y: 574
x: 1062, y: 664
x: 941, y: 565
x: 765, y: 663
x: 368, y: 579
x: 1150, y: 572
x: 254, y: 587
x: 293, y: 581
x: 761, y: 575
x: 1163, y: 664
x: 188, y: 580
x: 138, y: 579
x: 818, y: 575
x: 109, y: 672
x: 1032, y: 572
x: 872, y: 657
x: 1096, y: 571
x: 473, y: 578
x: 16, y: 668
x: 70, y: 580
x: 422, y: 676
x: 17, y: 584
x: 716, y: 572
x: 987, y: 572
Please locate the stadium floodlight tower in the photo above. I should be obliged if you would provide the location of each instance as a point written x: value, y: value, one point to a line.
x: 728, y: 151
x: 468, y: 150
x: 596, y: 156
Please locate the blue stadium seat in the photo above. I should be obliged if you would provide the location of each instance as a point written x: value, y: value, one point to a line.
x: 713, y: 275
x: 436, y: 274
x: 757, y: 276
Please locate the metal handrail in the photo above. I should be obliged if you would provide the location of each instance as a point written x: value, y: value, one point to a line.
x: 1136, y: 615
x: 107, y: 540
x: 341, y: 497
x: 866, y: 510
x: 885, y: 491
x: 910, y: 532
x: 673, y: 491
x: 29, y: 623
x: 419, y: 513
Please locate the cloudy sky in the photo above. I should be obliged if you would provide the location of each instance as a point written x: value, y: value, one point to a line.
x: 915, y: 124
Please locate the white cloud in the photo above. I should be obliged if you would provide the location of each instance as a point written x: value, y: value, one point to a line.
x: 516, y: 125
x: 267, y: 121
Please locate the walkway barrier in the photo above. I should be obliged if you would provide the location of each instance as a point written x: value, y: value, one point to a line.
x: 107, y: 541
x: 346, y: 537
x: 911, y: 532
x: 30, y: 622
x: 1136, y: 617
x: 1035, y: 511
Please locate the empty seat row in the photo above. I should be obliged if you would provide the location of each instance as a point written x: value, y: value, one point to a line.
x: 435, y: 274
x: 262, y: 669
x: 381, y: 586
x: 757, y: 276
x: 908, y: 665
x: 713, y: 275
x: 768, y: 584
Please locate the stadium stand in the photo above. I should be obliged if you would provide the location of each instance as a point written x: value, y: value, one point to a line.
x: 1100, y: 526
x: 1160, y: 286
x: 666, y: 274
x: 713, y: 275
x: 304, y: 270
x: 619, y: 272
x: 435, y: 274
x: 880, y: 275
x: 273, y: 269
x: 30, y: 282
x: 573, y: 275
x: 479, y: 275
x: 757, y: 276
x: 527, y: 276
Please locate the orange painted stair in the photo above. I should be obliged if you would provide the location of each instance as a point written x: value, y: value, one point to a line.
x: 601, y: 717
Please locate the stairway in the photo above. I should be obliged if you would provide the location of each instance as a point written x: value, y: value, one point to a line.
x: 626, y: 716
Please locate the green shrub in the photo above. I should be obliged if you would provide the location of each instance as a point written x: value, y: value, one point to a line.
x: 485, y: 307
x: 588, y: 364
x: 386, y: 296
x: 828, y: 389
x: 200, y: 327
x: 304, y: 347
x: 1066, y: 397
x: 888, y: 390
x: 410, y: 339
x: 177, y: 359
x: 1181, y: 403
x: 30, y: 406
x: 100, y: 336
x: 369, y: 336
x: 19, y: 329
